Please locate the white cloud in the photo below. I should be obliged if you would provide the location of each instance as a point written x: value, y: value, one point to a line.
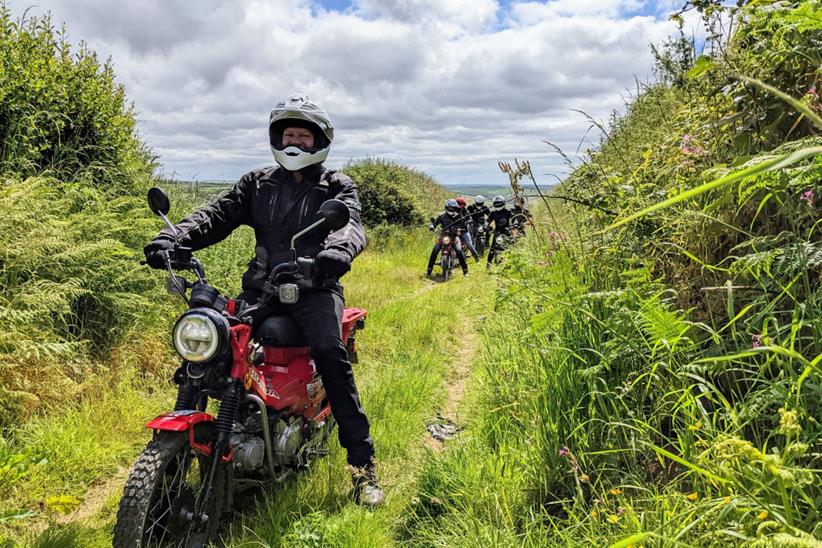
x: 452, y: 16
x: 447, y: 86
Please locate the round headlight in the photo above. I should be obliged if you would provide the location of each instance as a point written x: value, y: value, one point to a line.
x: 199, y: 335
x: 446, y: 240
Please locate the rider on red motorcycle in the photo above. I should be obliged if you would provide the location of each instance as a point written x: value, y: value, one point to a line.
x: 277, y: 202
x: 450, y: 221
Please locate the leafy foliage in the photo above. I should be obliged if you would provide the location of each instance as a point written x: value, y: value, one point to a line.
x: 394, y: 194
x: 70, y: 164
x: 72, y: 286
x: 61, y: 111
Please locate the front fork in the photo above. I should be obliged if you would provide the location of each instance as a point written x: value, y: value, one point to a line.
x: 220, y: 455
x: 232, y: 396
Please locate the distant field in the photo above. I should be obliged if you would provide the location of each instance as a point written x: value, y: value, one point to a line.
x: 207, y: 189
x: 489, y: 191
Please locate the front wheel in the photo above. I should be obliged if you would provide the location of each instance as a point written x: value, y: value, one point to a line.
x: 445, y: 264
x: 163, y: 491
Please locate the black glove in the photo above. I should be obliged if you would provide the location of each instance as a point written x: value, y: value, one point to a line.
x: 332, y: 263
x: 153, y: 250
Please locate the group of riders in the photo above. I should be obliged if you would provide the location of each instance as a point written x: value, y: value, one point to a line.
x: 477, y: 227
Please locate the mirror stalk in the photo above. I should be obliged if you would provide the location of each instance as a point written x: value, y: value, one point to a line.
x: 299, y: 234
x: 170, y: 227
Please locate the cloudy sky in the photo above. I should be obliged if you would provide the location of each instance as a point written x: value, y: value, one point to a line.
x: 447, y: 86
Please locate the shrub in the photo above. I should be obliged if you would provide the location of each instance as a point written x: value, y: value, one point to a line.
x: 394, y: 194
x: 62, y: 112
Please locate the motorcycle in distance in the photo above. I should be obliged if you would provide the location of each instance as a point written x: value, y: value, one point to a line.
x: 449, y: 239
x: 506, y: 237
x: 273, y: 418
x: 517, y: 227
x: 478, y: 232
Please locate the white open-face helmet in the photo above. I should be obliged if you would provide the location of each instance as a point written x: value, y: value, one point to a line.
x: 479, y: 200
x: 300, y: 111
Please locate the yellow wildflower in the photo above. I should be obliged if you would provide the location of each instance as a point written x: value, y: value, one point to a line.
x: 695, y: 427
x: 726, y: 500
x: 615, y: 491
x: 594, y: 513
x: 762, y: 515
x: 692, y: 496
x: 584, y: 478
x: 613, y: 518
x: 789, y: 423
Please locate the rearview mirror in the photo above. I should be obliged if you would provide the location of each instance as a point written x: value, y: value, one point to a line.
x: 158, y: 201
x: 335, y: 213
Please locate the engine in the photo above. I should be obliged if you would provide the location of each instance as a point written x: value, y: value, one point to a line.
x: 249, y: 451
x: 287, y: 438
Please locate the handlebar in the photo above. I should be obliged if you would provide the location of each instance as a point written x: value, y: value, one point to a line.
x: 285, y: 282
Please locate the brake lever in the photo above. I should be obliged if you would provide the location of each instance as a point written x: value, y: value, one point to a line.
x: 173, y: 277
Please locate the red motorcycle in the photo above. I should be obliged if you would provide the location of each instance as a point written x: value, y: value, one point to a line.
x: 273, y: 419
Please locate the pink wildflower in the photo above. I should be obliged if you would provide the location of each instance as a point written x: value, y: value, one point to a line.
x: 564, y: 452
x: 756, y: 341
x: 812, y: 92
x: 689, y: 148
x: 807, y: 196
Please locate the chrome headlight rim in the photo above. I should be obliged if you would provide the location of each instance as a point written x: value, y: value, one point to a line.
x: 216, y: 326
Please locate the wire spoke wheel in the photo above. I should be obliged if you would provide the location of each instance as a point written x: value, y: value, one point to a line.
x: 445, y: 263
x: 164, y: 500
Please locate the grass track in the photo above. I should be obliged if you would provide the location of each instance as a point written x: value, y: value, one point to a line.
x: 414, y: 334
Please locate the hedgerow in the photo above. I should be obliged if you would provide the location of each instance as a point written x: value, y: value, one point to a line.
x: 654, y: 377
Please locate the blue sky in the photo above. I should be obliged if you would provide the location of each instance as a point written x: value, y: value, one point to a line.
x: 449, y: 87
x: 646, y: 8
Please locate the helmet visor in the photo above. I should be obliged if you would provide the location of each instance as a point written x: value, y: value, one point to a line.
x: 276, y: 130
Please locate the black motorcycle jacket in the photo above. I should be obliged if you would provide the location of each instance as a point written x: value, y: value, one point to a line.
x: 449, y: 223
x: 500, y: 218
x: 478, y: 212
x: 276, y: 206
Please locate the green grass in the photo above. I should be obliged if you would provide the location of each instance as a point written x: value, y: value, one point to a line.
x: 407, y: 353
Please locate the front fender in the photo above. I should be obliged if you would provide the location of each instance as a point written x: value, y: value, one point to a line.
x: 185, y: 420
x: 179, y: 421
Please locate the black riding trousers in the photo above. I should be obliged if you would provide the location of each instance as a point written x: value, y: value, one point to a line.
x: 319, y: 316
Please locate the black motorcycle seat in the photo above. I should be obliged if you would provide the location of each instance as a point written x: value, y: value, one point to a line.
x: 280, y: 331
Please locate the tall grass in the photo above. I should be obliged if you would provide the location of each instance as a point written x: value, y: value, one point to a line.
x: 658, y: 382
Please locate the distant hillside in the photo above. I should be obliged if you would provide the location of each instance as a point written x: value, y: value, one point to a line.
x: 390, y: 193
x: 489, y: 191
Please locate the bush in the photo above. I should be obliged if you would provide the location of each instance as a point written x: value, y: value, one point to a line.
x: 72, y: 287
x: 72, y: 176
x: 62, y: 113
x: 394, y: 194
